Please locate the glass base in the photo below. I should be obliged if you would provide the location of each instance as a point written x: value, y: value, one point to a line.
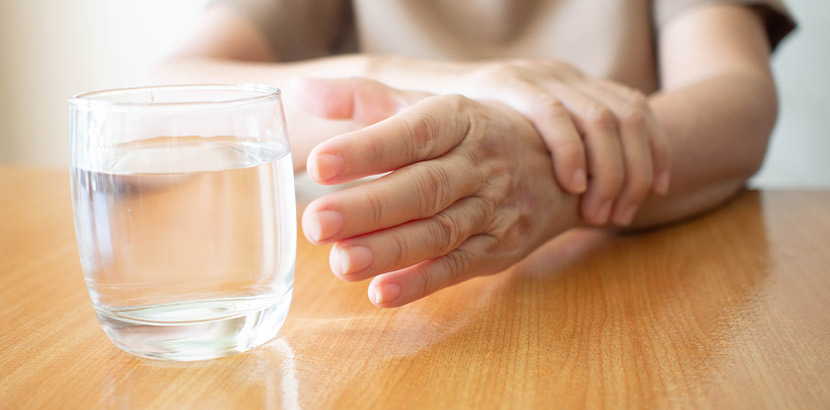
x: 243, y: 325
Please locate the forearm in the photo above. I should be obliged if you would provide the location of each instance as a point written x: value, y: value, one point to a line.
x: 718, y: 131
x: 408, y: 73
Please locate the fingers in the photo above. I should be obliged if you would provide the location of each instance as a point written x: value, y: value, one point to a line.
x: 555, y: 125
x: 638, y: 166
x: 627, y: 152
x: 362, y: 100
x: 561, y: 114
x: 633, y: 105
x: 605, y: 159
x: 428, y: 130
x: 661, y: 155
x: 644, y: 146
x: 405, y: 245
x: 414, y: 192
x: 553, y: 121
x: 630, y: 111
x: 415, y: 282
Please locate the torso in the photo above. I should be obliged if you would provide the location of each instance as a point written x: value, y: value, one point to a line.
x: 606, y: 38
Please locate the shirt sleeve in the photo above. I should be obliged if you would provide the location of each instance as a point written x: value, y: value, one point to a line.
x: 777, y: 19
x: 299, y: 29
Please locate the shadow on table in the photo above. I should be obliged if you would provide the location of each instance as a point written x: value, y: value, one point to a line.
x: 591, y: 316
x: 590, y: 319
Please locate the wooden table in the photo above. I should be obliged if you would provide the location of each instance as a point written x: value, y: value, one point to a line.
x: 729, y: 310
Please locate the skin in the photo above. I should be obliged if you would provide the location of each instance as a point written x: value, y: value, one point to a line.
x: 586, y: 123
x: 484, y: 192
x: 460, y: 201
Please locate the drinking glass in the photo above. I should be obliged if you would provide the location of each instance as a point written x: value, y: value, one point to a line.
x: 185, y: 217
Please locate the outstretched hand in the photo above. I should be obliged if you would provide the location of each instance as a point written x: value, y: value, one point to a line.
x: 470, y: 189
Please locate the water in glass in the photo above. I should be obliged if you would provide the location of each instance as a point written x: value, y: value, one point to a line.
x: 188, y: 243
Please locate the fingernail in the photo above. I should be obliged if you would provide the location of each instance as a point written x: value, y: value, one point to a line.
x: 386, y: 293
x: 334, y: 261
x: 355, y: 259
x: 580, y: 181
x: 604, y: 212
x: 628, y: 215
x: 661, y: 185
x: 324, y: 167
x: 324, y: 224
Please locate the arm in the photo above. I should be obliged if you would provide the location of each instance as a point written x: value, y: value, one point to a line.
x: 718, y: 106
x: 467, y: 201
x: 227, y: 48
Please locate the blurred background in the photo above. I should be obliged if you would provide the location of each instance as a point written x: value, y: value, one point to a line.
x: 51, y: 50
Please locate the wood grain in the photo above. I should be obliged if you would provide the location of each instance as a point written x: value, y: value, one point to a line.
x: 729, y: 310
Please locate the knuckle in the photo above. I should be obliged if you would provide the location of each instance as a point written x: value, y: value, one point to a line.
x: 570, y: 149
x: 427, y: 282
x: 551, y: 107
x: 486, y: 206
x: 376, y: 153
x: 456, y: 102
x: 637, y: 98
x: 632, y: 115
x: 450, y: 269
x: 376, y: 207
x: 432, y: 187
x: 401, y: 257
x: 456, y: 264
x: 462, y: 107
x: 635, y: 107
x: 446, y: 231
x: 601, y: 116
x: 420, y: 133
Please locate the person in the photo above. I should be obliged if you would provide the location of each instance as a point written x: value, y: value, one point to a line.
x: 499, y: 124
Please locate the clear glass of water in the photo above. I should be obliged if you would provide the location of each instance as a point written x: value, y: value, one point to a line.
x: 185, y: 217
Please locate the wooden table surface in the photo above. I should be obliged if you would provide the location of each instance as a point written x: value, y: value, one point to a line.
x: 729, y: 310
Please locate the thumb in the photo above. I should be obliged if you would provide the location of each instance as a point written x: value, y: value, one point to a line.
x: 361, y: 100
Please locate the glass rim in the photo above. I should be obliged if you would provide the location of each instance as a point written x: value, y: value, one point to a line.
x: 96, y: 98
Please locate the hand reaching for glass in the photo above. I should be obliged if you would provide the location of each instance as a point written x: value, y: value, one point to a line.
x: 470, y: 189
